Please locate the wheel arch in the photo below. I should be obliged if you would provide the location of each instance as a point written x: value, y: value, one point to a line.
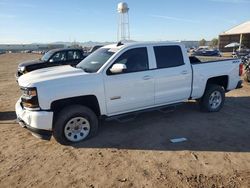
x: 219, y: 80
x: 89, y: 101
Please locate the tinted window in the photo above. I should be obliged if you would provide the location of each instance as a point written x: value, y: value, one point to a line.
x: 168, y: 56
x: 74, y: 54
x: 59, y: 56
x: 134, y: 59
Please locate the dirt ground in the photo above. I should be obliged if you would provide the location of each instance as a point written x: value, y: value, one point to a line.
x: 132, y: 154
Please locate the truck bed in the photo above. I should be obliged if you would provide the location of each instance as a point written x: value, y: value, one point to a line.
x: 202, y: 71
x: 205, y: 59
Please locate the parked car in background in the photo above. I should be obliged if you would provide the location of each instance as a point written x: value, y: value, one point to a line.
x: 27, y: 51
x: 206, y: 51
x: 242, y: 52
x: 191, y: 50
x: 56, y: 57
x: 116, y: 80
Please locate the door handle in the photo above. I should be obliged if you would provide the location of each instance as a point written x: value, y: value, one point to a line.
x: 147, y: 77
x: 184, y: 72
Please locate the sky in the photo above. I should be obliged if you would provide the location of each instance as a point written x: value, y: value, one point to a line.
x: 45, y: 21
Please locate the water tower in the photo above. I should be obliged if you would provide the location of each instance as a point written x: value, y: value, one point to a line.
x: 123, y: 22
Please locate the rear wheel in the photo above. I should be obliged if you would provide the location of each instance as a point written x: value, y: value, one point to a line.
x: 74, y: 124
x: 213, y: 98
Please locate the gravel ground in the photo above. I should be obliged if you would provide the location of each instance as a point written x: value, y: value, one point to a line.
x: 137, y: 153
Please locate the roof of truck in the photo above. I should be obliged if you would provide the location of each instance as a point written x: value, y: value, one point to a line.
x: 119, y: 45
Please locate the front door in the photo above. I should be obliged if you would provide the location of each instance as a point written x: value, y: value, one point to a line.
x: 133, y: 89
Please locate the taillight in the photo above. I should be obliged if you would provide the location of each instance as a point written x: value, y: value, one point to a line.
x: 240, y: 69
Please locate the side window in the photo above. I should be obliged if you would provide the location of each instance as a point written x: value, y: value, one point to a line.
x: 74, y: 55
x: 59, y: 56
x: 168, y: 56
x: 135, y: 60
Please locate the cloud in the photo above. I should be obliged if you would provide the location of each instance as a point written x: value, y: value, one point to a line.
x: 175, y: 19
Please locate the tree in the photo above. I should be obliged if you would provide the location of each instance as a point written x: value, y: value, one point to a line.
x: 214, y: 42
x: 202, y: 42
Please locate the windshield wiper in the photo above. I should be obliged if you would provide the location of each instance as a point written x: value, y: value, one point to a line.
x: 84, y: 69
x: 87, y: 70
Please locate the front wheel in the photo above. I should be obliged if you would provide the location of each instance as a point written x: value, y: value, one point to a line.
x: 213, y: 98
x: 74, y: 124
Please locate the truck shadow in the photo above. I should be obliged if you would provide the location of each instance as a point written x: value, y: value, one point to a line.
x: 227, y: 130
x: 8, y: 115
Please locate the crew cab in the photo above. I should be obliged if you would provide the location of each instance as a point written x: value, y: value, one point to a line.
x: 56, y: 57
x: 117, y: 80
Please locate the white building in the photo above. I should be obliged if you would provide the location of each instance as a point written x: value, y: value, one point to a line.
x: 240, y: 34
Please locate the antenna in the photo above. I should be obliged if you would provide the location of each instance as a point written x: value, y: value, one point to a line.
x: 123, y: 33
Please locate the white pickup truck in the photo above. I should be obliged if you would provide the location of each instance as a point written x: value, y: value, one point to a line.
x: 116, y: 80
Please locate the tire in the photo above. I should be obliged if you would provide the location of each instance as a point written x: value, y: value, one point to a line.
x: 213, y: 98
x: 74, y: 124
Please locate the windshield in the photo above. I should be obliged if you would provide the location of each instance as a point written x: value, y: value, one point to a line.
x: 46, y: 56
x: 96, y: 60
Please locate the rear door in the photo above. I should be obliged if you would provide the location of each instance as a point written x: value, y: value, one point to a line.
x: 173, y: 75
x: 132, y: 89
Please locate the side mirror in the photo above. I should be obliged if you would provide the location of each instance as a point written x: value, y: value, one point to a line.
x: 118, y: 68
x: 51, y: 60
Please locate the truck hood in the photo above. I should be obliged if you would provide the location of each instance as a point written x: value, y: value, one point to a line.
x: 48, y: 74
x: 32, y: 62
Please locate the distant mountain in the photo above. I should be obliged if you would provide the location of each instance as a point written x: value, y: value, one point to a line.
x: 47, y: 46
x: 58, y: 44
x: 87, y: 44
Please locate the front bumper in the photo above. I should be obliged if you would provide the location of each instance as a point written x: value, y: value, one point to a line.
x: 39, y: 133
x: 38, y: 122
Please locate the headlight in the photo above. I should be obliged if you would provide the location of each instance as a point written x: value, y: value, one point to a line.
x: 29, y: 97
